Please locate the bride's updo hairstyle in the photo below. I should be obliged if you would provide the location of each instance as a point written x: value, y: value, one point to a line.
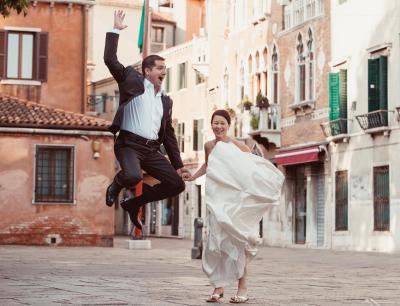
x: 222, y: 113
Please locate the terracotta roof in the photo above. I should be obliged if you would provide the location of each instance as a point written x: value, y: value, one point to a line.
x: 162, y: 17
x: 16, y: 112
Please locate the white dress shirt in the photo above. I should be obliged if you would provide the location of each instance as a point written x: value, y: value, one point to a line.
x: 142, y: 115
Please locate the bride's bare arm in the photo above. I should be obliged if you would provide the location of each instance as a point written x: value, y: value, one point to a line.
x: 203, y: 169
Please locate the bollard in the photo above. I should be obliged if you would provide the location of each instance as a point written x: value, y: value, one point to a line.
x: 197, y: 249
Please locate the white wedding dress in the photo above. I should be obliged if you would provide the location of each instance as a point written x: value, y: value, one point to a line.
x: 240, y: 187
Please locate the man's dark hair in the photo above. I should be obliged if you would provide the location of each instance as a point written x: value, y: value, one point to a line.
x: 150, y: 61
x: 222, y: 113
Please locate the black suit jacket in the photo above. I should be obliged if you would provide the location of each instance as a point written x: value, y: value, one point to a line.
x: 130, y: 84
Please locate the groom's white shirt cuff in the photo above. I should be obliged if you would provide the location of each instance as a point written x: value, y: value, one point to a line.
x: 116, y: 31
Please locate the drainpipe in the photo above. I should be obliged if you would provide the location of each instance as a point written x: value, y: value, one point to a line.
x: 83, y: 96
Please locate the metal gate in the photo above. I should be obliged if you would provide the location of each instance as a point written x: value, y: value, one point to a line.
x: 300, y: 206
x: 320, y: 207
x: 381, y: 199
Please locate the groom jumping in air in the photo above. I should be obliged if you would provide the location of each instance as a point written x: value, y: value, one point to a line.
x: 144, y: 122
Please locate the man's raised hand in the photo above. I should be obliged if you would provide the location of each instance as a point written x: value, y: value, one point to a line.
x: 119, y: 20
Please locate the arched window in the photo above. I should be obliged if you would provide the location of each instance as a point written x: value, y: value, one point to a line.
x: 241, y: 81
x: 310, y: 49
x: 258, y: 68
x: 275, y: 78
x: 250, y: 73
x: 226, y: 87
x: 250, y: 66
x: 265, y: 57
x: 301, y: 70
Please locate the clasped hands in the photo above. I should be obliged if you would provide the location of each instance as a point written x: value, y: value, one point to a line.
x: 184, y: 173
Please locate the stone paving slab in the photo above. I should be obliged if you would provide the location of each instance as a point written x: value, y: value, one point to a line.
x: 165, y: 275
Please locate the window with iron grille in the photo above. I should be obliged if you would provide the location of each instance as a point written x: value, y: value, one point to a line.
x: 341, y: 201
x: 54, y: 178
x: 381, y: 198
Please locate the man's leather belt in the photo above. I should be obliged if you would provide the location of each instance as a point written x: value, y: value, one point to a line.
x: 141, y: 140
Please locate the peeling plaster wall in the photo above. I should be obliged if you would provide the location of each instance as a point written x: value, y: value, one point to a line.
x: 87, y: 221
x: 356, y: 28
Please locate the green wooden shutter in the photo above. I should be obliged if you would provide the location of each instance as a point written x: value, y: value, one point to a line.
x: 383, y: 83
x: 383, y: 88
x: 373, y: 85
x: 343, y: 93
x: 334, y: 99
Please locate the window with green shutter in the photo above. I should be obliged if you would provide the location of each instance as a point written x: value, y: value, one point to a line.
x: 338, y: 102
x: 383, y: 91
x: 334, y: 97
x: 343, y: 93
x: 373, y: 85
x: 377, y: 84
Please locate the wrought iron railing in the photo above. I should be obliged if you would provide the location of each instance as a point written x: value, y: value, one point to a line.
x: 102, y: 103
x: 335, y: 127
x: 373, y: 119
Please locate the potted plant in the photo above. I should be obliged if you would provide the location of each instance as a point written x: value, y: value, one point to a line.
x: 262, y: 101
x: 230, y: 110
x: 255, y: 119
x: 246, y: 103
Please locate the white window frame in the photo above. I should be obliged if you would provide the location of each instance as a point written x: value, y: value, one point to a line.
x: 300, y: 11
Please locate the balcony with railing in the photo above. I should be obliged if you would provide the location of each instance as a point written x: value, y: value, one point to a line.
x: 375, y: 122
x: 266, y: 126
x: 336, y: 130
x: 200, y: 55
x: 102, y: 105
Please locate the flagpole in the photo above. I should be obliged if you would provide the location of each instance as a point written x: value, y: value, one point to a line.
x: 146, y: 29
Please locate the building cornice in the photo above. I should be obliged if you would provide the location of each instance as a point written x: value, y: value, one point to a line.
x: 70, y: 2
x: 39, y: 131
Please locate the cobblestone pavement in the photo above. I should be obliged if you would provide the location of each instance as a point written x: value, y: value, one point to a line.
x: 165, y: 275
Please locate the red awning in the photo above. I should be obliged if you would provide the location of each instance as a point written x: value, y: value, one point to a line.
x: 298, y: 156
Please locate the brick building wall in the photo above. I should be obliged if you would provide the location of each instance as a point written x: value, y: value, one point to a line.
x: 86, y: 221
x: 66, y: 25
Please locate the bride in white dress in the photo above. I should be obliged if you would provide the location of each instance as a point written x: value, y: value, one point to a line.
x: 240, y: 188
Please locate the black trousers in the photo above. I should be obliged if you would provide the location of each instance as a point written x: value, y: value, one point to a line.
x: 133, y: 155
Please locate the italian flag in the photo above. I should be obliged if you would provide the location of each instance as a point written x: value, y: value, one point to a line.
x: 141, y: 30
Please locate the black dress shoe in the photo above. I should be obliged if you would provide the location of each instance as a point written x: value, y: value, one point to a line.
x: 133, y: 211
x: 112, y: 193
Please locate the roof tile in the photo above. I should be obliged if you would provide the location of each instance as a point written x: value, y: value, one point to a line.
x: 16, y: 112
